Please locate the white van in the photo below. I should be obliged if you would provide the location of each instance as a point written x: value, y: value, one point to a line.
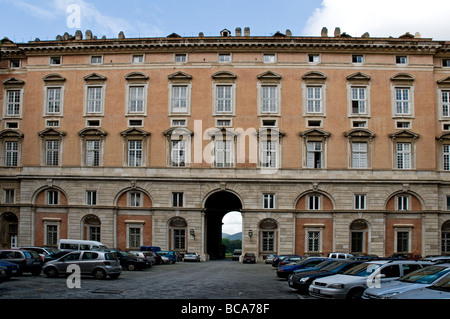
x: 340, y: 255
x: 75, y: 244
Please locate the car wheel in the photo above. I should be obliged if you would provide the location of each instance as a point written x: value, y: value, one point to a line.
x: 131, y: 266
x: 51, y: 272
x: 99, y: 273
x: 355, y: 293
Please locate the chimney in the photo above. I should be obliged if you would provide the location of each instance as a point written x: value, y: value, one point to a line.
x: 238, y: 32
x: 247, y: 31
x: 324, y: 32
x: 337, y: 32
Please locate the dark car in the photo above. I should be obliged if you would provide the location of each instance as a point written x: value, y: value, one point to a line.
x: 302, y: 279
x: 10, y: 268
x: 54, y: 256
x: 42, y: 251
x: 249, y: 258
x: 130, y: 261
x: 28, y: 261
x: 276, y: 261
x: 3, y: 275
x: 311, y: 262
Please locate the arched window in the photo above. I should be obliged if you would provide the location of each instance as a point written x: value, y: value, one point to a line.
x: 358, y: 236
x: 445, y: 238
x: 91, y: 228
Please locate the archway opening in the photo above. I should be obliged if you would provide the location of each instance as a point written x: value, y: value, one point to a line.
x: 217, y: 206
x: 8, y: 230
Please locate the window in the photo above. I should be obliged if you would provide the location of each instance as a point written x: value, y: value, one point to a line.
x: 55, y: 60
x: 314, y: 99
x: 402, y: 202
x: 445, y: 103
x: 269, y: 99
x: 314, y: 155
x: 357, y: 58
x: 224, y: 57
x: 313, y: 241
x: 52, y: 153
x: 314, y: 202
x: 177, y: 199
x: 9, y: 197
x: 178, y: 158
x: 446, y: 159
x: 445, y: 62
x: 402, y: 242
x: 134, y: 153
x: 136, y: 99
x: 268, y: 241
x: 404, y: 155
x: 134, y: 237
x: 52, y: 123
x: 14, y: 64
x: 179, y: 238
x: 401, y: 59
x: 11, y: 154
x: 13, y: 103
x: 54, y: 100
x: 269, y: 58
x: 224, y: 99
x: 223, y: 153
x: 134, y: 199
x: 313, y: 58
x: 178, y: 122
x: 180, y: 57
x: 359, y: 155
x: 52, y: 197
x: 223, y: 123
x: 402, y: 101
x: 96, y: 59
x: 359, y: 100
x: 137, y: 58
x: 94, y: 103
x: 360, y: 201
x: 91, y: 198
x: 51, y: 235
x: 135, y: 122
x: 179, y: 98
x: 269, y: 154
x: 269, y: 201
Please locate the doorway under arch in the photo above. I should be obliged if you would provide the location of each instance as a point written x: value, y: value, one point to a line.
x: 217, y: 205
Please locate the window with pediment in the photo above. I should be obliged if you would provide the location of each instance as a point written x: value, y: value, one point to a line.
x: 314, y: 94
x: 269, y: 94
x: 95, y: 88
x: 11, y: 147
x: 180, y: 93
x: 314, y: 148
x: 402, y: 91
x: 360, y: 148
x: 404, y: 149
x: 358, y: 93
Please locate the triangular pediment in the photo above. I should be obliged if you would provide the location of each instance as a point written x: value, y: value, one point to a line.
x: 314, y: 76
x: 315, y: 132
x: 51, y: 132
x: 11, y: 134
x: 180, y: 76
x: 444, y: 82
x: 269, y: 75
x: 134, y: 132
x: 94, y: 77
x: 405, y: 134
x: 13, y: 82
x: 358, y: 76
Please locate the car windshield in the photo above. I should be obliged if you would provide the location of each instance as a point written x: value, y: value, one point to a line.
x: 442, y: 284
x: 363, y: 270
x: 425, y: 275
x: 331, y: 265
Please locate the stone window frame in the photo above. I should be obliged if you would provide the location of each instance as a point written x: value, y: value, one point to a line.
x: 180, y: 79
x: 271, y: 197
x: 7, y: 136
x: 53, y: 81
x: 136, y: 79
x: 314, y: 135
x: 51, y: 134
x: 136, y: 224
x: 92, y: 134
x: 314, y: 79
x: 135, y: 134
x: 224, y: 134
x: 404, y: 136
x: 402, y: 81
x: 48, y: 221
x: 358, y: 80
x: 178, y: 133
x: 224, y: 78
x: 9, y: 85
x: 442, y: 141
x: 272, y: 134
x: 360, y: 135
x: 94, y: 80
x: 402, y: 228
x: 309, y: 228
x: 443, y: 85
x: 269, y: 79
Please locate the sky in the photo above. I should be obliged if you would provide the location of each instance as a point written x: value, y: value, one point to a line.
x: 25, y: 20
x: 232, y: 223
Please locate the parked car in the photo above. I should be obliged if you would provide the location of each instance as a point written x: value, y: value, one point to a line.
x: 415, y: 280
x: 269, y: 258
x: 311, y: 262
x: 290, y: 260
x: 280, y: 258
x: 99, y: 264
x: 249, y: 258
x: 3, y: 275
x: 405, y: 256
x: 438, y: 290
x: 352, y: 283
x: 130, y: 261
x: 437, y: 259
x: 168, y: 255
x: 54, y: 256
x: 10, y: 268
x: 236, y: 254
x: 28, y: 261
x: 148, y: 255
x: 302, y: 280
x: 42, y: 251
x: 76, y: 244
x: 191, y: 257
x: 340, y: 255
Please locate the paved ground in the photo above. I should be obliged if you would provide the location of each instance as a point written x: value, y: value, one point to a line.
x: 222, y: 279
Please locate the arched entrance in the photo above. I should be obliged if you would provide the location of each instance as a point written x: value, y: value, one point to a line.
x: 8, y: 230
x: 218, y: 205
x: 91, y: 228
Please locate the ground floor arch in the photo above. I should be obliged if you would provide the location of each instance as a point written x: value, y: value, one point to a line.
x: 8, y: 230
x: 217, y: 205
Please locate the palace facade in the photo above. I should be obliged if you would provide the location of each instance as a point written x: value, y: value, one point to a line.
x: 328, y: 143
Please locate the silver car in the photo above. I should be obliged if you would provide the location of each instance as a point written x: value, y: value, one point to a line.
x: 439, y: 290
x: 415, y: 280
x: 96, y: 263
